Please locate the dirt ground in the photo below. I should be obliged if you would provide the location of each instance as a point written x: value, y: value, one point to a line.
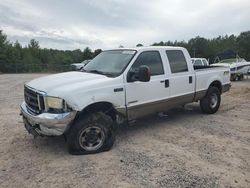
x: 184, y: 149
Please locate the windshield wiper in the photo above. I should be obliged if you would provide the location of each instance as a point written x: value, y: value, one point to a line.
x: 96, y: 71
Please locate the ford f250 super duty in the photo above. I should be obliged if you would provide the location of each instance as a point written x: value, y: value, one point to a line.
x: 118, y: 86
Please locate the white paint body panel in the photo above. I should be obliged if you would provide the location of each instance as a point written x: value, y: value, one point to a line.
x: 204, y: 77
x: 138, y: 93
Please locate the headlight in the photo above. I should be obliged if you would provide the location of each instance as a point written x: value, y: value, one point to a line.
x: 54, y: 102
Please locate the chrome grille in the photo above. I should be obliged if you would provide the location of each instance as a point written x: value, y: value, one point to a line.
x: 34, y: 100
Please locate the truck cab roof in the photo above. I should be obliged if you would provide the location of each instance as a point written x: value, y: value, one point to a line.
x: 148, y: 48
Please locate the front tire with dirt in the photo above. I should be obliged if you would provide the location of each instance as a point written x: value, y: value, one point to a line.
x: 92, y: 133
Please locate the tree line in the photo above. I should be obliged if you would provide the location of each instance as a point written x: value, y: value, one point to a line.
x: 32, y: 58
x: 222, y: 47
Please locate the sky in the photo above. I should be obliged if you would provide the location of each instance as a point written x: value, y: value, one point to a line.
x: 76, y: 24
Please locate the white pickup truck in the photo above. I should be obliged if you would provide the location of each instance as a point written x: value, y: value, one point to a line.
x: 115, y: 87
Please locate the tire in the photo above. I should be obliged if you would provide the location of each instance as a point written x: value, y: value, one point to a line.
x: 211, y: 102
x: 90, y: 134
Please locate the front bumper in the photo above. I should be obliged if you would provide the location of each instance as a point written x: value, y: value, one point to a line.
x: 46, y: 124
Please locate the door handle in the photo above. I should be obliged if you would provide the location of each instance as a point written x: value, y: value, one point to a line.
x: 190, y: 79
x: 166, y: 82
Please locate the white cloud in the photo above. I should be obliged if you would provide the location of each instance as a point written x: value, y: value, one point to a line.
x: 66, y: 24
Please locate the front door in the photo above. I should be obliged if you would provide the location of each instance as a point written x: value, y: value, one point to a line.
x: 143, y: 98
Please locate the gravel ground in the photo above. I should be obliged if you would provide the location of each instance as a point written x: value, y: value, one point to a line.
x: 184, y: 149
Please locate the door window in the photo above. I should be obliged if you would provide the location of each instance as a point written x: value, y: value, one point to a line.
x: 177, y: 61
x: 152, y: 59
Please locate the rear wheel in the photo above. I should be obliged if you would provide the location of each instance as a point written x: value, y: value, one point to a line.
x: 92, y: 133
x: 211, y: 102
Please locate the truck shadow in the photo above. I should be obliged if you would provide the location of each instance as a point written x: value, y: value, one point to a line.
x: 157, y: 121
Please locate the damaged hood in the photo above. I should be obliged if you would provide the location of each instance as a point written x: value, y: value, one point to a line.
x: 62, y: 84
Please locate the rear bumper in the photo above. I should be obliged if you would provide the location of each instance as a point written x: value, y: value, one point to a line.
x: 226, y: 88
x: 46, y: 124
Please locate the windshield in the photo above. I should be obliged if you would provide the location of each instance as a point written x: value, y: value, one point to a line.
x: 110, y: 63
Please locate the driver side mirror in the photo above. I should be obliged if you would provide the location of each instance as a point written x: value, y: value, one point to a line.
x: 142, y: 74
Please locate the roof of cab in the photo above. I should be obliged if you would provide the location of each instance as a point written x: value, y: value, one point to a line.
x: 149, y: 48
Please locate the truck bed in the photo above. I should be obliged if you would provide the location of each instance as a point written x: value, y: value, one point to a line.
x: 208, y: 74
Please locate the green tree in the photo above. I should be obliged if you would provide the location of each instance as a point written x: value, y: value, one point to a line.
x: 87, y: 53
x: 4, y: 44
x: 199, y: 47
x: 96, y: 52
x: 159, y: 44
x: 243, y: 41
x: 33, y: 44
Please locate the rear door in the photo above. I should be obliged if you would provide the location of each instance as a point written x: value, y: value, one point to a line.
x: 182, y: 78
x: 143, y: 98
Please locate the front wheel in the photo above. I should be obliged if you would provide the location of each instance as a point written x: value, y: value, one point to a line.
x: 211, y: 102
x: 92, y: 133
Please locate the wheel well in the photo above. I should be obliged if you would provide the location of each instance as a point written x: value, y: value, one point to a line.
x: 104, y: 107
x: 217, y: 84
